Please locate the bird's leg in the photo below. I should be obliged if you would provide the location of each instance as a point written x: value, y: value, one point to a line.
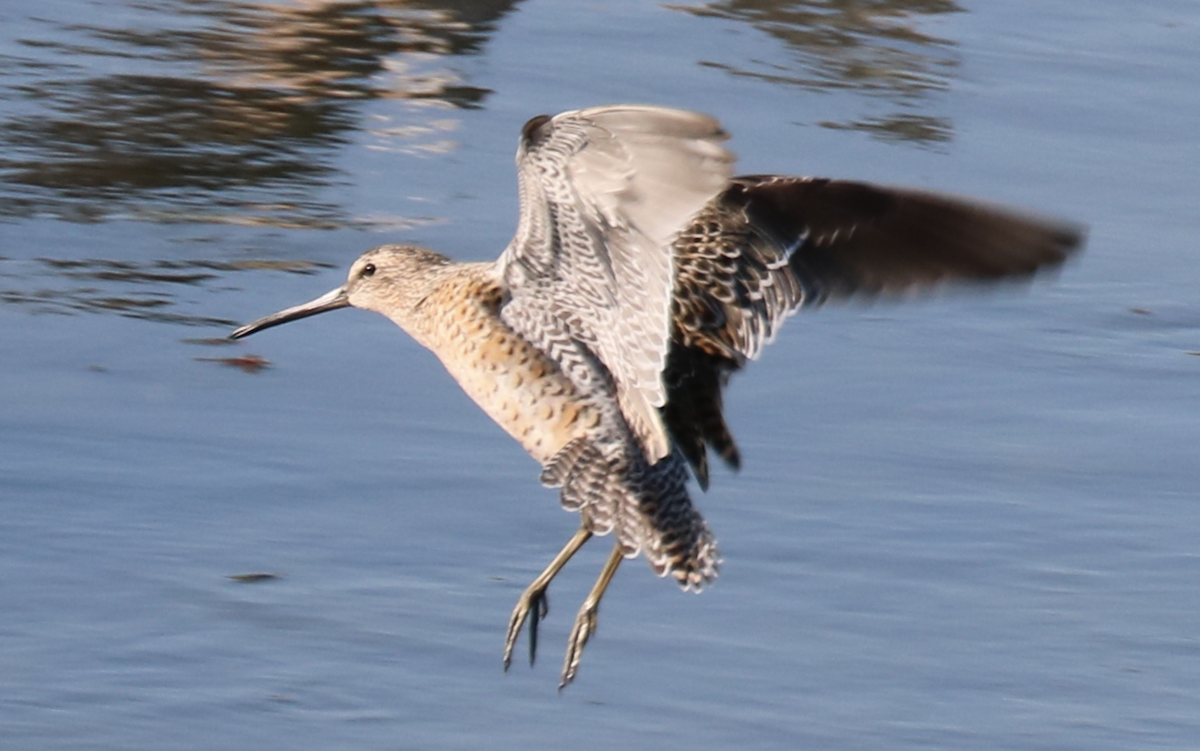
x: 585, y: 621
x: 534, y: 598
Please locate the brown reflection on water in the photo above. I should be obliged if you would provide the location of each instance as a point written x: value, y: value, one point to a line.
x: 246, y: 363
x: 872, y: 47
x: 223, y: 111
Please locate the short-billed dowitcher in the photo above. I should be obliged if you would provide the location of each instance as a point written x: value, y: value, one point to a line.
x: 641, y: 276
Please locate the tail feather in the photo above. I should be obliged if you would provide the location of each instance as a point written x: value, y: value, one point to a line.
x: 647, y: 506
x: 676, y: 539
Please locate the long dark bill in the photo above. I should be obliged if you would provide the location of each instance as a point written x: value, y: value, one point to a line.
x: 329, y: 301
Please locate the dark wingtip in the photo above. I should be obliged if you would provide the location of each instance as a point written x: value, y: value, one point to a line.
x: 532, y: 129
x: 1071, y: 237
x: 732, y: 457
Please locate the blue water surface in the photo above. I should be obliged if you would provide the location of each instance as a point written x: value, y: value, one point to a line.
x: 968, y: 522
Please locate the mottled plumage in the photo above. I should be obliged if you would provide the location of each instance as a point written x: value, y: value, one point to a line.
x: 641, y: 276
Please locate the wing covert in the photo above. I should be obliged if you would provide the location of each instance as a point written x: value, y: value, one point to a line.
x: 769, y: 245
x: 590, y: 272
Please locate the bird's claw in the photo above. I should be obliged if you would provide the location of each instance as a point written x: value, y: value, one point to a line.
x: 532, y: 599
x: 585, y: 626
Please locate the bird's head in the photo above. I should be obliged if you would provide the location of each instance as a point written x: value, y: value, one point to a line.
x: 390, y: 279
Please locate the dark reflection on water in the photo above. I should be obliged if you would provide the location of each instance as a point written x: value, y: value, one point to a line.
x: 134, y: 289
x: 871, y: 47
x: 222, y: 111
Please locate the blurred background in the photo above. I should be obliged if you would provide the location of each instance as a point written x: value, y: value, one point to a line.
x: 968, y: 522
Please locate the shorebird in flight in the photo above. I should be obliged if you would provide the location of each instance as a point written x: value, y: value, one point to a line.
x: 641, y: 276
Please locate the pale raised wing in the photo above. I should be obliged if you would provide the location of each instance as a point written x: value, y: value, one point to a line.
x: 590, y: 273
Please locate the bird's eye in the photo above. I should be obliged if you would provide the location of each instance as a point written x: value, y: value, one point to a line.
x: 369, y: 270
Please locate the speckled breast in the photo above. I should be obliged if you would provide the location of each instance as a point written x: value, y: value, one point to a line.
x: 520, y: 388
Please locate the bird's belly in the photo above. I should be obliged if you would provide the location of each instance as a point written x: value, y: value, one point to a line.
x: 516, y: 384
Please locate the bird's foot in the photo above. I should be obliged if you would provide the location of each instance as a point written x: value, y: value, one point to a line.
x: 533, y: 599
x: 585, y: 626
